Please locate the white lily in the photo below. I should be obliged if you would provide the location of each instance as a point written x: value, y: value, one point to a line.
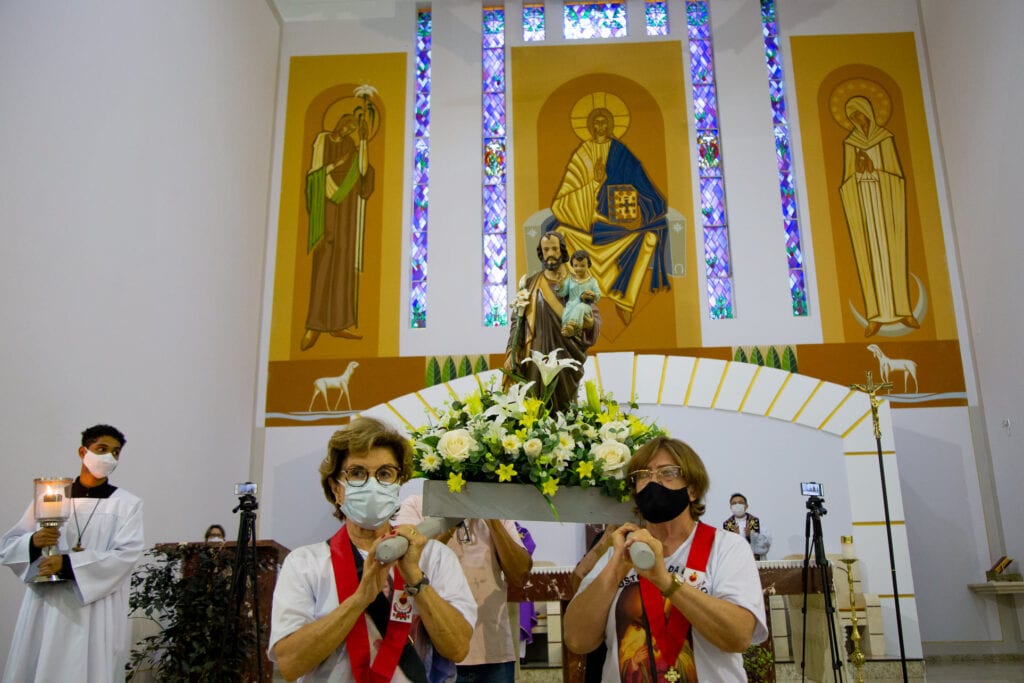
x: 549, y: 365
x: 509, y: 404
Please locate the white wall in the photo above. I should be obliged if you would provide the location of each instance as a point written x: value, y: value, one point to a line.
x: 134, y: 166
x: 975, y: 53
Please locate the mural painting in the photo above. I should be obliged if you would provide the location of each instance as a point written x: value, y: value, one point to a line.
x: 879, y: 246
x: 340, y: 214
x: 602, y: 155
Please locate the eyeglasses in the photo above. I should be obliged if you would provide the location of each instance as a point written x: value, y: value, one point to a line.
x: 666, y: 474
x: 358, y: 476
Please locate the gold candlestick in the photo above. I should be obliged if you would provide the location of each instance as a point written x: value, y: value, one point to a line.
x: 857, y: 657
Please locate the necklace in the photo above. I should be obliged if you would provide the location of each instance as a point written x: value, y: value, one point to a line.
x: 81, y: 530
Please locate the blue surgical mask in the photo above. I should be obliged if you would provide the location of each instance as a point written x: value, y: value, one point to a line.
x: 371, y: 504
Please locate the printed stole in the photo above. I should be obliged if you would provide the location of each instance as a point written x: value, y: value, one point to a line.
x: 396, y: 633
x: 670, y: 631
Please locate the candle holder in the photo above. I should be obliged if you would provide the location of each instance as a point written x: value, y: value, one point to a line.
x: 52, y: 507
x: 856, y: 657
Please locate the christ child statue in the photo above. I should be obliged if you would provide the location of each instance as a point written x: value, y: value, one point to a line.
x: 580, y: 290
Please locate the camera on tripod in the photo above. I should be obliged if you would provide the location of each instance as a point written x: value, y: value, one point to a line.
x: 815, y: 494
x: 245, y: 488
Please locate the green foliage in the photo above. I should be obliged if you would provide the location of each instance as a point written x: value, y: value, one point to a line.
x: 186, y: 590
x: 481, y: 364
x: 740, y: 356
x: 773, y: 358
x: 433, y: 372
x: 465, y: 367
x: 759, y: 663
x: 755, y: 356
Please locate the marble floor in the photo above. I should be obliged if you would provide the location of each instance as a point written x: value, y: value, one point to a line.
x: 987, y: 670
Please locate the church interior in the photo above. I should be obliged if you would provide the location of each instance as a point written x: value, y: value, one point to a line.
x: 794, y: 194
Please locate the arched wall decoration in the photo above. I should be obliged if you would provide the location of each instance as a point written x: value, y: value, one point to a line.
x: 757, y: 392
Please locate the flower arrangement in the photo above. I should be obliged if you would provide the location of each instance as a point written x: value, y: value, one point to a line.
x: 496, y: 435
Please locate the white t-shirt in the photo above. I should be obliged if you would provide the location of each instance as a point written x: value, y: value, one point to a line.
x: 306, y: 591
x: 731, y: 575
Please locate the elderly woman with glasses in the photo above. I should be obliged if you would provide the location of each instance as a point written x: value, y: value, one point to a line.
x: 339, y: 614
x: 696, y: 609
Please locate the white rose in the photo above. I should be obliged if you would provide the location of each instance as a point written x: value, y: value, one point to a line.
x: 456, y: 445
x: 616, y: 429
x: 533, y: 447
x: 613, y: 456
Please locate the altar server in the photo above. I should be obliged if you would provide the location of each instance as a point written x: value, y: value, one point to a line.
x: 77, y: 629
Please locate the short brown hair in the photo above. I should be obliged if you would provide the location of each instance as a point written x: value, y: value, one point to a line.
x: 359, y: 437
x: 691, y: 466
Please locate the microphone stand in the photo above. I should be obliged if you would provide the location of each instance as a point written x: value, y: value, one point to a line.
x: 871, y: 389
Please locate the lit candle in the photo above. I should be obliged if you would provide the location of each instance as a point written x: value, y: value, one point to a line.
x: 847, y: 544
x: 53, y: 506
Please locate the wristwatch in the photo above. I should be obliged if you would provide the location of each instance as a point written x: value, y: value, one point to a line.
x: 674, y: 586
x: 416, y: 588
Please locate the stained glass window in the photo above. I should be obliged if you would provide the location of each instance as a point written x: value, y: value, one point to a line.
x: 657, y: 18
x: 710, y: 168
x: 495, y: 209
x: 420, y: 175
x: 533, y: 21
x: 584, y: 20
x: 784, y: 157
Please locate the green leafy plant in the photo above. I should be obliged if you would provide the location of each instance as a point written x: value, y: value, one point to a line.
x: 186, y: 590
x: 759, y: 663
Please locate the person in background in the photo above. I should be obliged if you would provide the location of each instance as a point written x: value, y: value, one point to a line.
x: 214, y: 534
x: 691, y: 615
x: 341, y: 615
x: 527, y: 610
x: 77, y: 629
x: 491, y: 552
x: 741, y: 522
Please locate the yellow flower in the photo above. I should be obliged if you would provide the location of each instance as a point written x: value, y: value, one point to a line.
x: 550, y: 487
x: 455, y: 482
x: 474, y: 403
x: 532, y: 406
x: 506, y: 472
x: 636, y: 426
x: 585, y: 469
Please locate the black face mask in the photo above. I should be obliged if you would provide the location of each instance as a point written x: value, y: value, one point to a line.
x: 659, y: 504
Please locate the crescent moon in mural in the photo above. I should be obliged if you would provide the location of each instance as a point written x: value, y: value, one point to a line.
x: 897, y: 329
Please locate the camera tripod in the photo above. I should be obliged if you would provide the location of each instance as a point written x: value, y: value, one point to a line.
x: 813, y: 542
x: 246, y: 570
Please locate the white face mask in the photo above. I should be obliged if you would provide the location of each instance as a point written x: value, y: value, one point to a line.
x: 739, y: 509
x: 100, y: 464
x: 371, y: 504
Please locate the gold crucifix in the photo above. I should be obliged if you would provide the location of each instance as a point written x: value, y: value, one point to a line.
x: 871, y: 389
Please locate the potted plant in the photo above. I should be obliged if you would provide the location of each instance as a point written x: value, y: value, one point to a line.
x: 187, y: 591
